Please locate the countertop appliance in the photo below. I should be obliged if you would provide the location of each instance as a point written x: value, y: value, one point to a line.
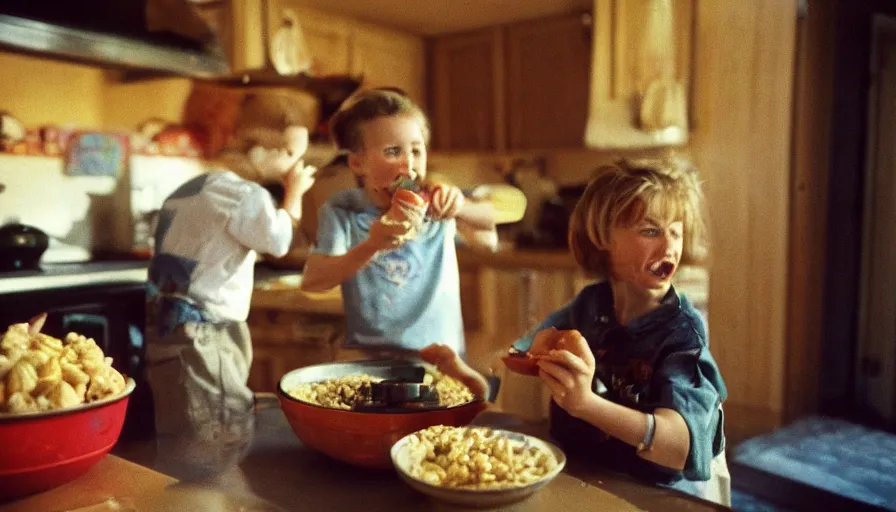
x: 21, y: 247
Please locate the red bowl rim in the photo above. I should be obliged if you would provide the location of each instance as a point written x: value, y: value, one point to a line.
x: 282, y: 393
x: 11, y: 417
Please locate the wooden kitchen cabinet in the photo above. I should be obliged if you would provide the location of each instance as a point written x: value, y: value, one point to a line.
x: 385, y: 58
x: 239, y: 25
x: 548, y: 67
x: 329, y: 39
x: 519, y: 86
x: 285, y: 340
x: 466, y: 83
x: 641, y: 74
x: 505, y: 294
x: 344, y: 46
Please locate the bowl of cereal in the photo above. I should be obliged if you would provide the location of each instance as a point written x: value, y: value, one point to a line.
x: 476, y: 466
x: 333, y: 408
x: 62, y: 407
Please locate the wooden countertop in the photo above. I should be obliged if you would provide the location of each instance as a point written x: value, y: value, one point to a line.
x: 280, y: 470
x: 283, y: 294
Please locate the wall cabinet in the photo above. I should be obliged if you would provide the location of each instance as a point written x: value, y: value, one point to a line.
x: 641, y: 74
x: 386, y: 58
x: 345, y: 46
x: 519, y: 86
x: 466, y: 84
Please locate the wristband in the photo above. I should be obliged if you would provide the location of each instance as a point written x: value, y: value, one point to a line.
x: 647, y: 443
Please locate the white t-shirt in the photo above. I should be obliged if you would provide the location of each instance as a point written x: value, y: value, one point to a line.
x: 209, y: 231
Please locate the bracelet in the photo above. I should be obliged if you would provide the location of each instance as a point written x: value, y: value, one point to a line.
x: 647, y: 443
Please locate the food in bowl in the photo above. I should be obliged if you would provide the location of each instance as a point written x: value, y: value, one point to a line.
x: 41, y: 373
x: 347, y: 391
x: 475, y: 458
x: 363, y: 437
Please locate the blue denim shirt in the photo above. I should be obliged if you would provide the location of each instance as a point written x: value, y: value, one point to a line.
x: 658, y: 360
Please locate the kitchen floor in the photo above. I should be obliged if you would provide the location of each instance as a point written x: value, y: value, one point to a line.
x: 824, y: 460
x: 744, y: 502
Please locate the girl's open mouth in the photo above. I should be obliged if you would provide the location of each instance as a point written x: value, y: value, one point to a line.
x: 662, y: 269
x: 405, y: 183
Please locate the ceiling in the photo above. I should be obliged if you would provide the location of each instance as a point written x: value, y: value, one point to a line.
x: 430, y: 17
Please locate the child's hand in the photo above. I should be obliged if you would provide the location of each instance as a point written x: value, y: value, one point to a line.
x: 447, y: 362
x: 545, y: 340
x: 447, y: 200
x: 569, y: 372
x: 440, y: 356
x: 389, y: 235
x: 299, y: 179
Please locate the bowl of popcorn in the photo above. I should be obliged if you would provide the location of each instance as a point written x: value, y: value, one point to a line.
x: 476, y: 466
x: 62, y: 407
x: 355, y: 411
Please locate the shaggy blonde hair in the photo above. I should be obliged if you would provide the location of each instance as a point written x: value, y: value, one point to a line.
x: 623, y: 194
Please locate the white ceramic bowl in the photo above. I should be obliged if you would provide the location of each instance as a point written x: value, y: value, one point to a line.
x: 478, y: 498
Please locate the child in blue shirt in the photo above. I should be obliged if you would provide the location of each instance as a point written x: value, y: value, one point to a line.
x: 634, y: 386
x: 400, y: 283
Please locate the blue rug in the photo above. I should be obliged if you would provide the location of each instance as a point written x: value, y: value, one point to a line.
x: 830, y: 454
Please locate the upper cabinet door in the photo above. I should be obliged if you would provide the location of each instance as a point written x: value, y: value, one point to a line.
x: 467, y: 81
x: 548, y: 67
x: 641, y: 74
x: 328, y: 38
x: 384, y: 58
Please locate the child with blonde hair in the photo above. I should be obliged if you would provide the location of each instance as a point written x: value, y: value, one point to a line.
x: 394, y: 259
x: 634, y: 387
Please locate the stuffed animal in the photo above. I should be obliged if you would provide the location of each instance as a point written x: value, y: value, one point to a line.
x: 270, y: 137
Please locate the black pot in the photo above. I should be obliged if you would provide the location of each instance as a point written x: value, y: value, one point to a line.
x: 21, y: 247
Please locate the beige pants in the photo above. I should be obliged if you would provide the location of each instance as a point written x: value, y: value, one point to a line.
x: 203, y: 409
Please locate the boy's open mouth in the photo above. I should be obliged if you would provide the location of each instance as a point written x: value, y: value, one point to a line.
x: 662, y: 269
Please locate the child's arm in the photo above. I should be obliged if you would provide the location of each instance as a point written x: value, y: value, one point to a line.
x: 671, y: 439
x: 323, y: 272
x: 569, y: 373
x: 476, y: 220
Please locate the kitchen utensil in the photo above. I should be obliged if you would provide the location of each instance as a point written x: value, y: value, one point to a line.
x: 362, y: 437
x: 478, y: 498
x: 43, y: 450
x: 21, y: 247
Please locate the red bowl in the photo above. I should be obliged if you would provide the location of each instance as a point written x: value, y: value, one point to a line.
x: 359, y: 438
x: 44, y: 450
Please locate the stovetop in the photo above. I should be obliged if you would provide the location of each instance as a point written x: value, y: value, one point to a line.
x: 86, y: 267
x: 65, y: 275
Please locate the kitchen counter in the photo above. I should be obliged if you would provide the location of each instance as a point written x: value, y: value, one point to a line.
x: 67, y: 275
x: 279, y: 290
x: 280, y: 470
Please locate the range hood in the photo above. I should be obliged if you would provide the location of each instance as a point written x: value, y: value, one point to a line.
x: 163, y: 36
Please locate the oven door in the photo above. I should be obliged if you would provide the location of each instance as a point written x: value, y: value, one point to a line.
x: 113, y: 315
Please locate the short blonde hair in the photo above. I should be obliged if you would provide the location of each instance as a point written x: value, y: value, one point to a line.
x: 625, y: 193
x: 345, y: 125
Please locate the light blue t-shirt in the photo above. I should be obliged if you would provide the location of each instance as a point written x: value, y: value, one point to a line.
x: 407, y: 297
